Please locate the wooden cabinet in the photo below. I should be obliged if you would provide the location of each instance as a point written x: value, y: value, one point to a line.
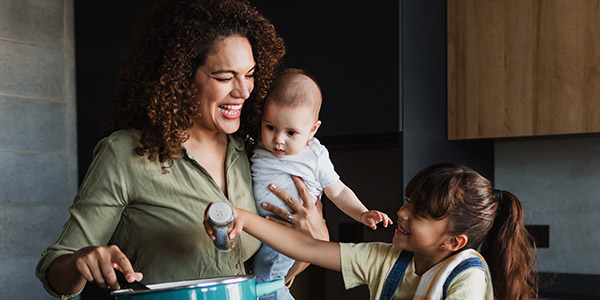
x: 523, y: 67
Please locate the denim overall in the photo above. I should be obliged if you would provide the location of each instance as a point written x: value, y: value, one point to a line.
x: 397, y: 273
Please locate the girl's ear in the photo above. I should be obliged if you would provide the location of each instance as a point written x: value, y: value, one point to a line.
x: 456, y: 242
x: 314, y: 128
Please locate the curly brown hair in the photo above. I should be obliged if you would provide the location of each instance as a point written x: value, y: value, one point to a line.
x: 155, y: 93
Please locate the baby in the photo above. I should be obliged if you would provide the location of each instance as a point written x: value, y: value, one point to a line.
x: 289, y: 123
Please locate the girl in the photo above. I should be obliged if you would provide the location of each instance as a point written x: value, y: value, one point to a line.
x: 449, y: 211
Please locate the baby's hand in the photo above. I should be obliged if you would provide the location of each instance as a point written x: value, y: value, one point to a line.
x: 372, y: 217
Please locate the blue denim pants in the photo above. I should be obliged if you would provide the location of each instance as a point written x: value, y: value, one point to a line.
x: 271, y: 265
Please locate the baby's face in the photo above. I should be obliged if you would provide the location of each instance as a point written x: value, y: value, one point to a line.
x: 286, y: 130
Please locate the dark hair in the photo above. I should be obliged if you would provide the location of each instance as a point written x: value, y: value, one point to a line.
x: 156, y: 91
x: 467, y: 199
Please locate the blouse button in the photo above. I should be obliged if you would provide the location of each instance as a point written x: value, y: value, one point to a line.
x: 237, y: 266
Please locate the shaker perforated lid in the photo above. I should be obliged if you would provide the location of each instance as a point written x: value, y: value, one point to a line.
x: 220, y: 213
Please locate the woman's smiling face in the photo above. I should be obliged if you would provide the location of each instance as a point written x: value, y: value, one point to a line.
x: 224, y: 82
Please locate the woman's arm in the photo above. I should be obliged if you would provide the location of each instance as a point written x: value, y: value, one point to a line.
x: 67, y: 274
x: 63, y: 276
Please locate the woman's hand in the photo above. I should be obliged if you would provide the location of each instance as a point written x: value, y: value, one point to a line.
x: 68, y: 273
x: 306, y: 217
x: 97, y: 264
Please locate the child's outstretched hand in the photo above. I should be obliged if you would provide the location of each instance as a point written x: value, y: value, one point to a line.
x: 372, y: 217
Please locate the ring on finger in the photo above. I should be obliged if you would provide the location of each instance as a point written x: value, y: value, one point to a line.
x: 290, y: 217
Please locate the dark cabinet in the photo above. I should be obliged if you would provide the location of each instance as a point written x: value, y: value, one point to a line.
x: 352, y: 48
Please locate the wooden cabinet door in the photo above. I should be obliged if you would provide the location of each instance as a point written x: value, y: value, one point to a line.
x: 523, y: 67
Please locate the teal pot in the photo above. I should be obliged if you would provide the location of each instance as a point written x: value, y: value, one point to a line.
x: 242, y: 287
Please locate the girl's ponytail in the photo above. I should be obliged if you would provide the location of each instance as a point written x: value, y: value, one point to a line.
x: 510, y: 251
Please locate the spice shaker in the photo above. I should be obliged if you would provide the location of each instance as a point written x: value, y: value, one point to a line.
x: 220, y: 216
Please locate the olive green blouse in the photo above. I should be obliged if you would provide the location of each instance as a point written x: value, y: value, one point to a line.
x: 155, y: 218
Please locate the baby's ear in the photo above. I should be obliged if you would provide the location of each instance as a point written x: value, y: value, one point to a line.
x: 314, y: 128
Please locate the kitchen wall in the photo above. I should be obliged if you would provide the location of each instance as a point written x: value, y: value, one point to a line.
x: 38, y: 147
x: 423, y: 74
x: 558, y: 181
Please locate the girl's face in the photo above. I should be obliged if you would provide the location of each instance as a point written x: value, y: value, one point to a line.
x: 224, y: 82
x: 286, y: 130
x: 417, y: 233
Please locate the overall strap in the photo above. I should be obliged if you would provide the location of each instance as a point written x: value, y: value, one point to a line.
x: 473, y: 262
x: 396, y: 274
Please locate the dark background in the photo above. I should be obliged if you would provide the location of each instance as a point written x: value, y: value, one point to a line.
x: 103, y: 29
x: 351, y: 49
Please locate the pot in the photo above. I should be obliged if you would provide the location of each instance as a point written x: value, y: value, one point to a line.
x: 242, y: 287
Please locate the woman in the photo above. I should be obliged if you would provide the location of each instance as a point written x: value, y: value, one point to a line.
x: 197, y: 77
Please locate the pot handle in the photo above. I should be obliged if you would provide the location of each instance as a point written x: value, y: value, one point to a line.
x: 263, y: 288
